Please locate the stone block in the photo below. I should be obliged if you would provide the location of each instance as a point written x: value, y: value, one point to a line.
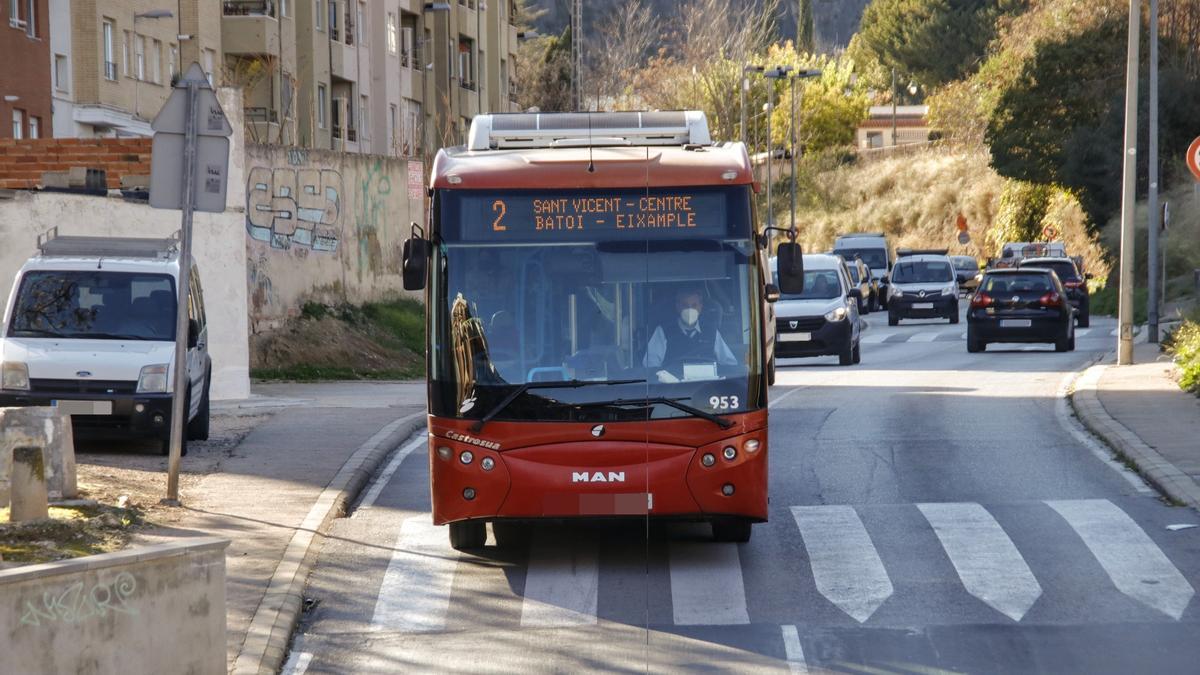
x: 29, y: 500
x: 42, y: 428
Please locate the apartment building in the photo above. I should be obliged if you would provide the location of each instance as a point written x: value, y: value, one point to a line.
x: 25, y: 108
x: 113, y: 60
x: 388, y: 77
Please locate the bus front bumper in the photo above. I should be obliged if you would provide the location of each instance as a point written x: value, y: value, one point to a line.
x: 600, y: 480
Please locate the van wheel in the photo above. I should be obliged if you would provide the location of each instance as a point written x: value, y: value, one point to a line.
x: 197, y: 429
x: 974, y: 344
x: 846, y: 354
x: 954, y: 314
x: 1085, y: 319
x: 731, y: 530
x: 771, y: 371
x: 1064, y: 344
x: 893, y: 320
x: 467, y: 535
x: 511, y: 534
x: 857, y: 357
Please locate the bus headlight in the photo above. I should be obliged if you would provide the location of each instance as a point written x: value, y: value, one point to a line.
x: 445, y: 453
x: 750, y: 445
x: 14, y: 375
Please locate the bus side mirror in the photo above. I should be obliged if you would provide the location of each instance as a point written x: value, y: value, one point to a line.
x: 790, y: 265
x: 415, y: 260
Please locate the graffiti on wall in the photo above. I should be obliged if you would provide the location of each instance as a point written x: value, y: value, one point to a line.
x: 77, y: 603
x: 295, y: 208
x: 374, y: 189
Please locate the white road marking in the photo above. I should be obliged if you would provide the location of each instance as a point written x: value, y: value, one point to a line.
x: 1062, y: 410
x: 297, y: 663
x: 1136, y: 565
x: 795, y: 653
x: 382, y: 479
x: 561, y: 583
x: 415, y: 594
x: 784, y: 396
x: 925, y: 336
x: 845, y: 564
x: 873, y: 338
x: 706, y: 584
x: 1080, y: 332
x: 988, y: 563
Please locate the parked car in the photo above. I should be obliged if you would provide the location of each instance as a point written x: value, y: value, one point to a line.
x: 1011, y: 253
x: 872, y: 248
x: 90, y: 328
x: 824, y: 319
x: 1074, y: 283
x: 860, y: 278
x: 922, y: 286
x: 966, y: 272
x: 1020, y: 305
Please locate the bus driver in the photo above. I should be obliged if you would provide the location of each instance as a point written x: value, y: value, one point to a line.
x: 685, y: 339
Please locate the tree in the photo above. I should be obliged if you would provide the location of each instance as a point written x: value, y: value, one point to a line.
x: 932, y: 41
x: 804, y: 27
x: 544, y: 73
x: 621, y: 43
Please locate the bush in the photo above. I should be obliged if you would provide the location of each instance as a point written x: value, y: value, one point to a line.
x: 1106, y: 302
x: 1184, y: 345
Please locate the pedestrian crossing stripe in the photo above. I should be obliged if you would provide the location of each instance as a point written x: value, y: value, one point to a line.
x: 708, y: 587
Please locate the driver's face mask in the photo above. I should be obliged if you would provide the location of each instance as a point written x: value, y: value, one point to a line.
x: 689, y: 316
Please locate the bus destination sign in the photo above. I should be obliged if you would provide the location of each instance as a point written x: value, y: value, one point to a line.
x: 590, y: 215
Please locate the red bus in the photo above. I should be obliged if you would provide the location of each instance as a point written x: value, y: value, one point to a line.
x: 599, y: 334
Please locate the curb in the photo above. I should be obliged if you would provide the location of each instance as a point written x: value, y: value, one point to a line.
x: 266, y: 643
x: 1153, y: 467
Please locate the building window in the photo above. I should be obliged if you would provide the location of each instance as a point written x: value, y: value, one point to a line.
x: 393, y: 37
x: 110, y: 65
x: 363, y: 127
x: 125, y: 60
x: 139, y: 48
x: 22, y: 14
x: 14, y: 14
x: 35, y: 124
x: 874, y: 139
x: 173, y: 63
x: 333, y: 20
x: 466, y: 64
x: 286, y: 95
x: 321, y: 106
x: 412, y: 128
x: 392, y: 120
x: 318, y: 15
x: 362, y: 12
x: 283, y: 8
x: 409, y: 55
x: 18, y: 124
x: 61, y: 81
x: 210, y: 57
x: 156, y: 61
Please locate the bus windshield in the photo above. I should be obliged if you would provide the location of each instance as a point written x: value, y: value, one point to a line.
x: 668, y: 311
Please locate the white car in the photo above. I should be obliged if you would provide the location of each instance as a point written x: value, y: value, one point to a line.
x: 824, y: 319
x: 923, y: 286
x: 90, y: 328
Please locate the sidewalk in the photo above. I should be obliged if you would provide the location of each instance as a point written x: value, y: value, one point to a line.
x: 1141, y: 412
x: 276, y: 493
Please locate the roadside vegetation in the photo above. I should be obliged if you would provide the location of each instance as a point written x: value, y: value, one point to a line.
x: 376, y: 341
x: 69, y: 532
x: 1184, y: 346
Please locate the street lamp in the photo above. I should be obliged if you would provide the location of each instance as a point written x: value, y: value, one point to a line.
x: 803, y: 74
x: 151, y: 14
x: 776, y: 73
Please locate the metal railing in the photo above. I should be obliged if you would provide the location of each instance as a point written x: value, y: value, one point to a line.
x: 261, y: 114
x: 248, y: 8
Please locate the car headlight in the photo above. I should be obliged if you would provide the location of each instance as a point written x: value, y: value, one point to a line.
x: 894, y: 292
x: 836, y: 314
x: 950, y: 290
x: 153, y: 379
x: 14, y: 375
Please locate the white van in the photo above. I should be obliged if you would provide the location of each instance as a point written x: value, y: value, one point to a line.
x: 90, y: 328
x: 872, y: 249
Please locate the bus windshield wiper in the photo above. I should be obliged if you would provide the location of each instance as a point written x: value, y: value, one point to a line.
x: 557, y: 384
x: 683, y: 407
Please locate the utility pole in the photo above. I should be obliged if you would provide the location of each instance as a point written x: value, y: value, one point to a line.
x: 577, y: 54
x: 805, y: 74
x: 1129, y: 184
x: 1152, y: 243
x: 894, y: 136
x: 772, y: 75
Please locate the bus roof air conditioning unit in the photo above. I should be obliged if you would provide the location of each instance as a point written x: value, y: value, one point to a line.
x: 548, y: 130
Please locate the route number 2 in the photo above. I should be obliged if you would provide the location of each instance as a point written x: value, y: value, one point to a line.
x: 724, y: 402
x: 499, y: 209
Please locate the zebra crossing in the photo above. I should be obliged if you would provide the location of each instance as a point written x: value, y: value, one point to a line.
x: 839, y: 555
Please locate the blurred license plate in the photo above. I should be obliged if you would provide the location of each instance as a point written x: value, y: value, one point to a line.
x: 922, y: 305
x: 1015, y: 323
x: 795, y: 337
x: 83, y: 407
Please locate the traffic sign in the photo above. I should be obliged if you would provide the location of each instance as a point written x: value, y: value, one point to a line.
x: 1193, y: 158
x: 212, y: 147
x: 1050, y: 233
x: 961, y: 223
x: 964, y: 238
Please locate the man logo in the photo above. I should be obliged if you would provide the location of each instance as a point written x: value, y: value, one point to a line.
x: 598, y: 477
x: 793, y: 324
x: 598, y: 430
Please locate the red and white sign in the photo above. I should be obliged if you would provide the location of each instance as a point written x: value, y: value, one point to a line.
x: 1193, y: 158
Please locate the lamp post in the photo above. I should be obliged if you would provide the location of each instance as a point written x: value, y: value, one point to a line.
x: 1129, y: 183
x: 803, y: 74
x: 152, y: 14
x: 1152, y: 248
x: 776, y: 73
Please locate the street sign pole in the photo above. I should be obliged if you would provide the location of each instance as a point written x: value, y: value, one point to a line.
x: 1129, y: 183
x: 180, y: 376
x: 1152, y: 254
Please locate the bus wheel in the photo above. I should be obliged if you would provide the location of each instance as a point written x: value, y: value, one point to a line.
x: 466, y: 535
x: 735, y: 530
x: 510, y: 534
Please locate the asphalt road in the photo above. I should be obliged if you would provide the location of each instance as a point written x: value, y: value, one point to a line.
x: 931, y: 511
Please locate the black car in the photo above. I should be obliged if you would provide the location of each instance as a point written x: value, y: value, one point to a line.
x: 1074, y: 282
x: 966, y: 271
x: 1020, y: 305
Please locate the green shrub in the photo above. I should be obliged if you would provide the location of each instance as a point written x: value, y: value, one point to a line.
x: 1106, y: 301
x: 313, y: 310
x: 1184, y: 344
x: 403, y: 318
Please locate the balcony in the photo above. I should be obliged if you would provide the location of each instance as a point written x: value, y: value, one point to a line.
x: 343, y: 62
x: 260, y: 114
x: 249, y: 27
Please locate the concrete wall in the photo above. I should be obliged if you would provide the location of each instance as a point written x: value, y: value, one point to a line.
x: 159, y: 609
x: 325, y: 226
x: 217, y: 249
